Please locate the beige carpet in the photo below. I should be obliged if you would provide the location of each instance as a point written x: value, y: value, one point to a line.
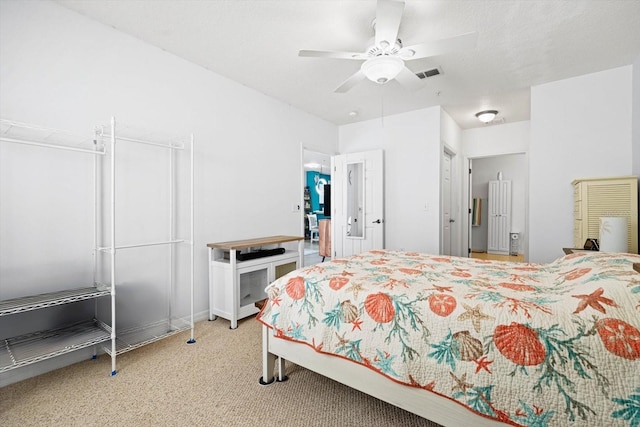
x: 213, y: 382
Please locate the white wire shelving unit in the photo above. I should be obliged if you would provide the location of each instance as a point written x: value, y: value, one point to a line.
x: 123, y: 340
x: 19, y: 351
x: 26, y: 349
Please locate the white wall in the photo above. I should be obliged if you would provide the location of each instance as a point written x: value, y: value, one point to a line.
x: 636, y: 116
x: 496, y: 140
x: 411, y: 144
x: 580, y: 128
x: 60, y: 69
x: 491, y: 141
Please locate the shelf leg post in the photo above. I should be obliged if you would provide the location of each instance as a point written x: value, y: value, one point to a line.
x: 192, y: 340
x: 113, y: 246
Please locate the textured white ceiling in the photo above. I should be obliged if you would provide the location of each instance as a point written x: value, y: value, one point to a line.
x: 256, y: 43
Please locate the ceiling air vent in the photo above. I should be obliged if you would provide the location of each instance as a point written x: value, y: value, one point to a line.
x: 429, y: 73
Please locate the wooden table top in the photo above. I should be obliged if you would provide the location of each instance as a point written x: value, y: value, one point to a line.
x: 243, y: 244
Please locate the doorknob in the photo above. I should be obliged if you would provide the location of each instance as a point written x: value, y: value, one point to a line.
x: 452, y: 220
x: 377, y: 221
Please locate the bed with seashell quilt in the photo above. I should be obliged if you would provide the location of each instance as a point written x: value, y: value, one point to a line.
x: 463, y: 341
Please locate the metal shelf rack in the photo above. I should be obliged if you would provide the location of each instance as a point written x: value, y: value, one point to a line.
x: 50, y: 299
x: 26, y: 349
x: 31, y: 348
x: 132, y: 338
x: 34, y: 347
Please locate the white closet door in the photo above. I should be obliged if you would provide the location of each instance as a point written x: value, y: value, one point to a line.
x: 499, y: 217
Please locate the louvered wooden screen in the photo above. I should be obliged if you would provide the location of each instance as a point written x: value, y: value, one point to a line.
x: 615, y: 197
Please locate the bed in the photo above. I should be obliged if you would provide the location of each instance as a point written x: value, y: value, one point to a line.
x: 462, y: 341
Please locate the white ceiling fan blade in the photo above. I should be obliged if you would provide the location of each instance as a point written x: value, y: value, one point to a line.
x: 409, y: 80
x: 438, y: 47
x: 351, y: 82
x: 388, y: 16
x: 331, y: 54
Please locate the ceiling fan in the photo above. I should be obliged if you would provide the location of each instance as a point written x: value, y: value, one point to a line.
x: 385, y: 59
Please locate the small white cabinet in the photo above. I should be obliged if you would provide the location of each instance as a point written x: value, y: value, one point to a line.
x: 235, y: 286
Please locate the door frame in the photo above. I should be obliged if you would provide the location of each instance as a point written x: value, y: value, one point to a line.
x: 468, y: 198
x: 303, y: 177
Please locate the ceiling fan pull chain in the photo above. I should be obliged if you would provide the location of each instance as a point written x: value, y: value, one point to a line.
x: 382, y: 105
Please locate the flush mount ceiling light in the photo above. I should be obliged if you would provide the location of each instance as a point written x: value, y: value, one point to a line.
x: 382, y: 68
x: 487, y: 115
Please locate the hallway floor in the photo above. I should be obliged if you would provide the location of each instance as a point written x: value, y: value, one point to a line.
x: 498, y: 257
x: 311, y: 256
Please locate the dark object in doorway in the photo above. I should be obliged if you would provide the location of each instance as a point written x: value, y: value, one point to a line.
x: 327, y: 200
x: 591, y: 245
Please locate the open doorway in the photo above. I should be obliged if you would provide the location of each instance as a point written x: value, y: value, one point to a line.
x: 498, y: 194
x: 316, y: 182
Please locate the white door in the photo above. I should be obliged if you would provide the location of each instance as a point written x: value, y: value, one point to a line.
x: 446, y: 204
x: 357, y: 202
x: 499, y: 217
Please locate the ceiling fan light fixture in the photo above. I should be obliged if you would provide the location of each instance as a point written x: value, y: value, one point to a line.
x: 381, y: 69
x: 487, y: 116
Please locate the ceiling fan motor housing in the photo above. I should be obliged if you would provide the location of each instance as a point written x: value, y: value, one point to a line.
x: 384, y: 49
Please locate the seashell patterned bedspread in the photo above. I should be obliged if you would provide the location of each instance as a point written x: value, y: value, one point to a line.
x: 529, y: 344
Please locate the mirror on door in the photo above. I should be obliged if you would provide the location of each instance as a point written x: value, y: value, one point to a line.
x: 355, y: 200
x: 357, y: 207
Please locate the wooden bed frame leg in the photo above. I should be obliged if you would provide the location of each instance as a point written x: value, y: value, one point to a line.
x: 268, y: 360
